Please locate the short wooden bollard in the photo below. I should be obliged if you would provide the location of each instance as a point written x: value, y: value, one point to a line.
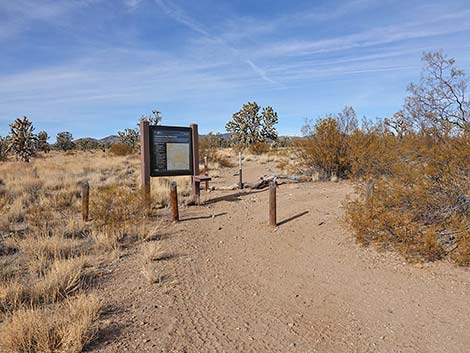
x: 272, y: 204
x: 85, y: 200
x: 174, y: 201
x: 206, y: 171
x: 240, y: 170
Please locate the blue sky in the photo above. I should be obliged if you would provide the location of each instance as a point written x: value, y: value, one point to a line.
x: 93, y: 67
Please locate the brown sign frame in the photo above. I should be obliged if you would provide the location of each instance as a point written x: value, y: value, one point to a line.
x: 154, y: 171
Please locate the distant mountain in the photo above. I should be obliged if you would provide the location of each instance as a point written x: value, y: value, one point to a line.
x: 85, y: 138
x: 225, y: 136
x: 110, y: 139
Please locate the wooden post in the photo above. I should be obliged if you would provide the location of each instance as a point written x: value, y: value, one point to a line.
x: 370, y: 189
x: 174, y: 201
x: 240, y: 170
x: 206, y: 171
x: 85, y: 200
x: 145, y: 162
x: 272, y: 204
x: 196, y: 184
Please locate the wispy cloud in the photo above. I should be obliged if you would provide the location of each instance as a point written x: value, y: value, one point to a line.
x: 19, y: 15
x: 180, y: 16
x: 132, y: 4
x: 446, y: 24
x: 117, y: 62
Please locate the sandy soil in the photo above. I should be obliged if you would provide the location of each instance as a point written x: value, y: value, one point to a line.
x: 233, y: 284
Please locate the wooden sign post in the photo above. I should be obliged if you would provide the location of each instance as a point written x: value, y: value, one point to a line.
x: 196, y: 182
x: 145, y: 161
x: 174, y: 201
x: 169, y: 151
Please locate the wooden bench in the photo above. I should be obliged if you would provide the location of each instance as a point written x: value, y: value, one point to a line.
x: 201, y: 178
x: 197, y: 179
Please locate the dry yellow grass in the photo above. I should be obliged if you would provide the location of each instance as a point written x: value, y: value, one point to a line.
x: 67, y: 327
x: 65, y: 278
x: 48, y: 257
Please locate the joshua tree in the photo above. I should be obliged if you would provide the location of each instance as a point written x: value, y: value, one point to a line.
x: 41, y: 143
x: 248, y: 126
x: 87, y: 144
x: 3, y: 148
x: 23, y: 140
x: 65, y: 141
x: 129, y: 137
x: 154, y: 119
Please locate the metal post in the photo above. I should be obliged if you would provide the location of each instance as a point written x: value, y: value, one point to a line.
x: 85, y: 200
x: 272, y: 204
x: 240, y: 171
x: 174, y: 201
x: 196, y: 184
x: 145, y: 161
x: 206, y: 171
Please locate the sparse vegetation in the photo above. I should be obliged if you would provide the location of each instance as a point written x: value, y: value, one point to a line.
x: 50, y: 260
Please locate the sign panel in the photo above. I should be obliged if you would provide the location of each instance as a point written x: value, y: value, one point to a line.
x: 171, y: 151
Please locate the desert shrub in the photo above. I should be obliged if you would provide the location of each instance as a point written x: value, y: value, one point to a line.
x: 121, y: 149
x: 222, y: 161
x: 118, y: 214
x: 372, y: 153
x: 67, y: 328
x: 325, y: 149
x: 258, y: 148
x: 420, y: 202
x: 421, y: 208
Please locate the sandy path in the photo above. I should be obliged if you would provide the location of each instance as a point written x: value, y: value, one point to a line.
x: 235, y: 285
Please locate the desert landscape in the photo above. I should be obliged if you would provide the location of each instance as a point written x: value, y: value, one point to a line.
x: 234, y: 176
x: 219, y: 280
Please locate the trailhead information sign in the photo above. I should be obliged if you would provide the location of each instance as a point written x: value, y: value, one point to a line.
x: 170, y: 151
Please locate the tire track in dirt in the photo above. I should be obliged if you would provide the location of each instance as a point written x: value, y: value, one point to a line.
x: 212, y: 291
x: 240, y: 286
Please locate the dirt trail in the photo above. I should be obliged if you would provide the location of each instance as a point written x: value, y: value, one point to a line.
x: 235, y: 285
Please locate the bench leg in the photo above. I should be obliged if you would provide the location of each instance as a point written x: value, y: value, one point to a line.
x: 197, y: 192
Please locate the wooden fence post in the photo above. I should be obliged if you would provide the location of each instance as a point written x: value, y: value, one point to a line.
x: 206, y: 171
x: 145, y: 161
x: 240, y: 171
x: 85, y: 200
x: 196, y: 184
x: 272, y: 204
x: 174, y: 201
